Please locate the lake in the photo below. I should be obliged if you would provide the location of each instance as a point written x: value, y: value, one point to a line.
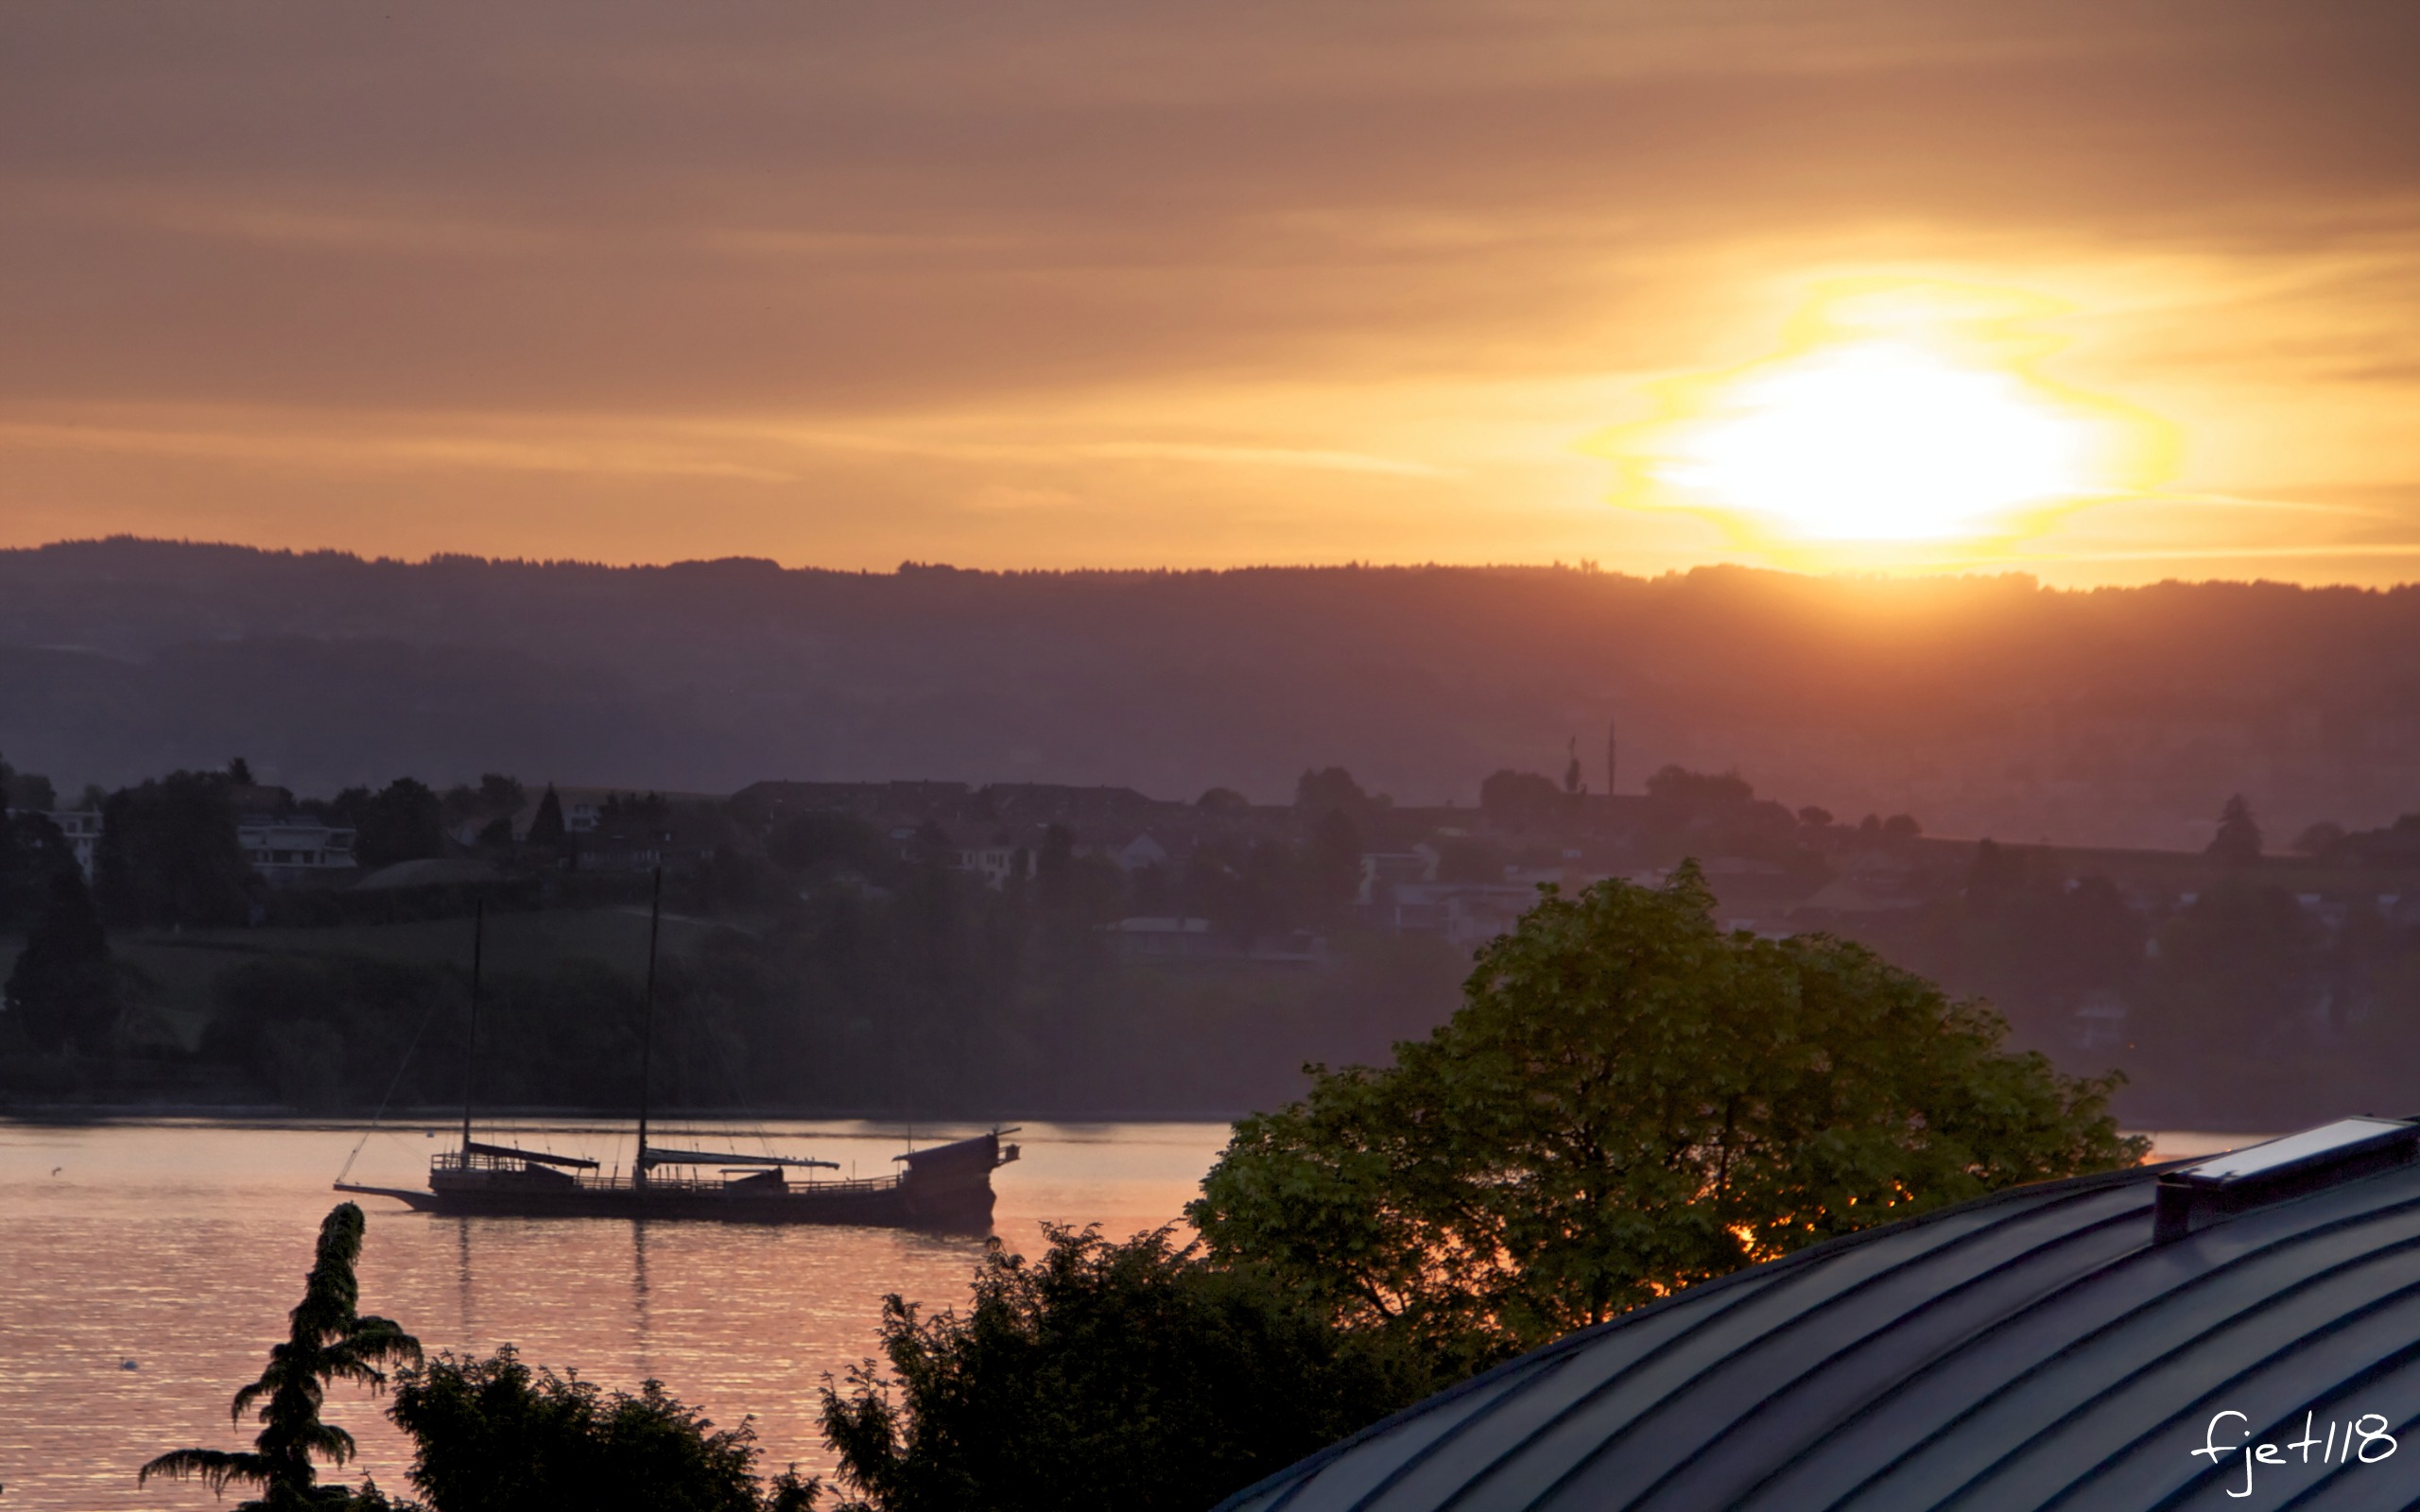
x: 180, y: 1245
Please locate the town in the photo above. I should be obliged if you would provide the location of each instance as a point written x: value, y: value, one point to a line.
x: 942, y: 946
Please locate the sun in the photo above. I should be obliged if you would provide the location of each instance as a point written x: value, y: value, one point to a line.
x: 1896, y: 416
x: 1879, y: 441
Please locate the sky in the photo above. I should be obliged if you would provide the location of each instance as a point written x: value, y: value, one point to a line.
x: 1028, y: 284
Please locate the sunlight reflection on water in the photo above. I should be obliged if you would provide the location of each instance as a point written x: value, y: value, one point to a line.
x: 180, y: 1245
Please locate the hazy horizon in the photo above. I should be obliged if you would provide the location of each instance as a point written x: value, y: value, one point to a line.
x: 1076, y: 569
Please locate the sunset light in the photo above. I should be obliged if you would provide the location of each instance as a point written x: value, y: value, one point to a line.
x: 752, y: 695
x: 1881, y: 441
x: 1896, y: 418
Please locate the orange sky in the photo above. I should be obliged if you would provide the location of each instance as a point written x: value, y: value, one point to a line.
x: 1093, y: 284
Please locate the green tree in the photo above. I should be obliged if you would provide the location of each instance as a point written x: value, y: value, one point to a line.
x: 403, y: 821
x: 1333, y: 787
x: 169, y: 853
x: 493, y: 1436
x: 547, y: 825
x: 63, y: 988
x: 1632, y: 1101
x: 2237, y: 842
x: 501, y: 793
x: 1133, y: 1376
x: 1516, y: 798
x: 1699, y: 791
x: 33, y: 852
x: 328, y: 1340
x: 28, y: 791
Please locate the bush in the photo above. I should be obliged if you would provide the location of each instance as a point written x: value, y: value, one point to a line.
x: 493, y: 1436
x: 1133, y: 1376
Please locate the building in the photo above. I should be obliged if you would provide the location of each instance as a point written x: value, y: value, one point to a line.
x: 1466, y: 913
x: 295, y: 848
x: 1130, y: 853
x: 1382, y: 872
x: 2208, y: 1333
x: 997, y: 864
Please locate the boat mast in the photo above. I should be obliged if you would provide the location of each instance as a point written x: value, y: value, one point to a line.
x: 647, y: 1039
x: 471, y: 1047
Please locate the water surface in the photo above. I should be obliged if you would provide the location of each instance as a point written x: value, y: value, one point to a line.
x: 146, y: 1268
x: 179, y: 1248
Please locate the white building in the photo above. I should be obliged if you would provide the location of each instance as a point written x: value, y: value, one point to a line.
x: 995, y: 863
x: 291, y: 850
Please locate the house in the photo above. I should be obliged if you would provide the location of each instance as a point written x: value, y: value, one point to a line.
x: 1462, y: 912
x: 2238, y: 1330
x: 294, y: 848
x: 1131, y: 854
x: 997, y: 864
x: 1383, y: 870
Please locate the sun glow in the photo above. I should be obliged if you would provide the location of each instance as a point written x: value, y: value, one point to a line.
x: 1902, y: 416
x: 1881, y: 441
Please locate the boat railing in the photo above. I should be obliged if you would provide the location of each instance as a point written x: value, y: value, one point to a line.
x: 453, y: 1162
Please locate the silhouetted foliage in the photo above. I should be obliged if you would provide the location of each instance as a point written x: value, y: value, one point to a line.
x: 2320, y: 838
x: 632, y: 809
x: 63, y: 989
x: 1630, y: 1101
x: 1332, y: 789
x: 2237, y: 842
x: 827, y: 843
x: 32, y: 853
x: 168, y: 854
x: 547, y: 825
x: 1517, y: 800
x: 327, y: 1339
x: 402, y: 821
x: 493, y: 1436
x: 25, y: 790
x: 1101, y: 1375
x: 1685, y: 789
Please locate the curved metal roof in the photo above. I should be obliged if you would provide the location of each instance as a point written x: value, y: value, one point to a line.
x: 2040, y: 1347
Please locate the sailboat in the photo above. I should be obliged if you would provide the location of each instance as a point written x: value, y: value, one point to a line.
x: 944, y: 1189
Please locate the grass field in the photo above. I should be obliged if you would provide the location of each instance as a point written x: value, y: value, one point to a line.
x: 182, y: 966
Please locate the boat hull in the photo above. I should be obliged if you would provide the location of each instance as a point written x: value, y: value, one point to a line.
x: 943, y: 1190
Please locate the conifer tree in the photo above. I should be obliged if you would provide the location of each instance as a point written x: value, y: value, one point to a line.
x: 329, y: 1340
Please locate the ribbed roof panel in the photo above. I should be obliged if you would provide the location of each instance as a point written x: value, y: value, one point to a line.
x: 2033, y: 1348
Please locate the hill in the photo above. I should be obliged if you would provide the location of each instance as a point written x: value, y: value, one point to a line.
x: 2115, y: 717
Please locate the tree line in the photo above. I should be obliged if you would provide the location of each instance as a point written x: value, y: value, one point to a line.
x: 828, y: 964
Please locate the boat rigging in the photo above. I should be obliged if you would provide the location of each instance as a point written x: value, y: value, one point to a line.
x: 946, y: 1187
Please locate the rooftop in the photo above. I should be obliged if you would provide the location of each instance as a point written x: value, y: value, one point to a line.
x: 2036, y: 1347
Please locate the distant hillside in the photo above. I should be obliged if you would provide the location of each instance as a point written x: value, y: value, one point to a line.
x: 1984, y: 707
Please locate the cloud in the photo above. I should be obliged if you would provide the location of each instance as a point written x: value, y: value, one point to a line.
x: 453, y: 236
